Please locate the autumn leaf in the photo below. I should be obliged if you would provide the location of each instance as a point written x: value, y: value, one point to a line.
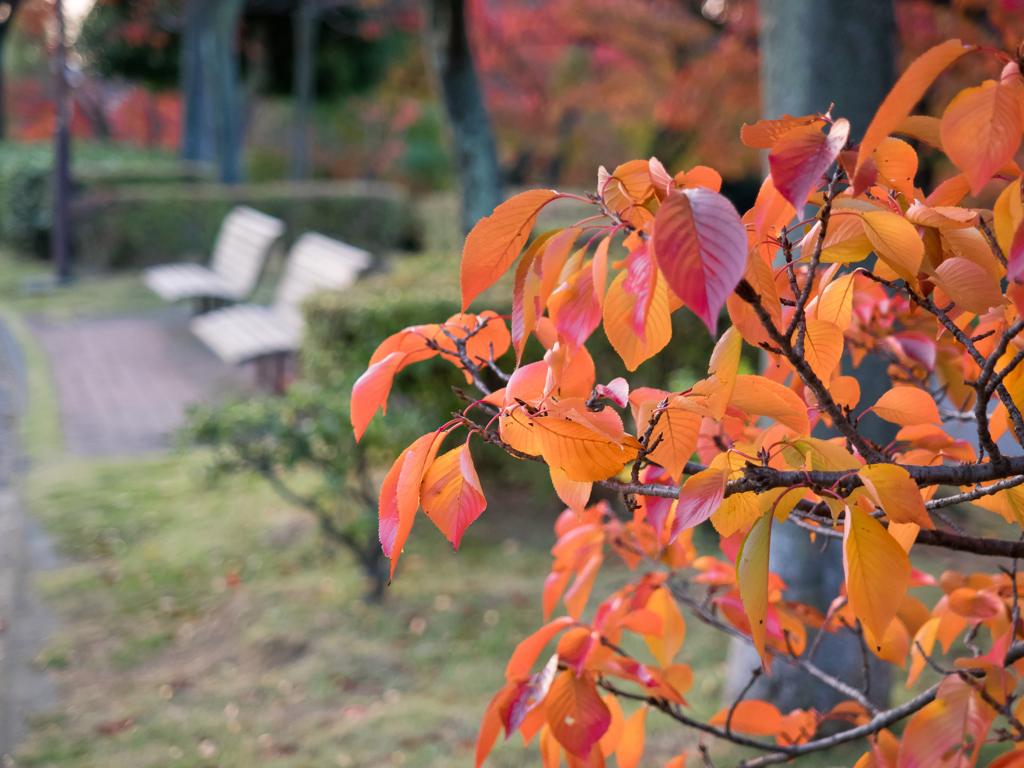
x: 631, y: 744
x: 610, y: 741
x: 877, y: 570
x: 583, y: 454
x: 981, y: 129
x: 665, y: 646
x: 528, y: 650
x: 907, y: 406
x: 371, y: 391
x: 725, y: 365
x: 451, y: 495
x: 907, y: 93
x: 765, y: 133
x: 752, y: 576
x: 400, y: 494
x: 699, y: 176
x: 896, y: 162
x: 619, y: 309
x: 574, y: 494
x: 896, y: 493
x: 801, y: 156
x: 896, y: 242
x: 496, y: 240
x: 836, y: 302
x: 700, y: 245
x: 969, y: 285
x: 823, y: 347
x: 575, y: 712
x: 699, y: 497
x: 526, y: 291
x: 764, y: 397
x: 758, y: 718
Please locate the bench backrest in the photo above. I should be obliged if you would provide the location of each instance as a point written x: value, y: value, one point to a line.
x: 242, y: 246
x: 316, y: 263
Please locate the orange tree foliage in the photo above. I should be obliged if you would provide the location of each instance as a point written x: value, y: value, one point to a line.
x: 942, y: 302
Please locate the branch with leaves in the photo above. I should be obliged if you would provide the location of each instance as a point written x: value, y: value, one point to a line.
x: 941, y: 305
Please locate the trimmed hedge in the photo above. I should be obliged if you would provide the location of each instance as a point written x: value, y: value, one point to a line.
x: 140, y: 225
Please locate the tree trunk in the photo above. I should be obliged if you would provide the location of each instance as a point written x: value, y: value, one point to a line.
x: 447, y: 45
x: 814, y: 54
x: 60, y: 228
x: 212, y: 124
x: 6, y: 19
x: 304, y: 89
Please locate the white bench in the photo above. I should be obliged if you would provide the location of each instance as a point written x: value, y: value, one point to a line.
x: 249, y: 331
x: 241, y: 249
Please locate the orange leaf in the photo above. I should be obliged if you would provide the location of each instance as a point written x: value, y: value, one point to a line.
x: 679, y: 761
x: 925, y: 637
x: 700, y: 245
x: 451, y: 494
x: 526, y: 305
x: 877, y: 570
x: 907, y: 406
x: 576, y: 597
x: 823, y: 346
x: 699, y: 176
x: 896, y: 162
x: 574, y: 494
x: 907, y: 93
x: 491, y: 725
x: 550, y: 750
x: 836, y: 302
x: 896, y: 242
x: 582, y: 453
x: 673, y: 627
x: 752, y: 575
x: 678, y: 431
x: 725, y: 365
x: 764, y: 397
x: 371, y: 391
x: 924, y: 128
x: 610, y: 741
x: 896, y: 493
x: 942, y: 726
x: 528, y: 650
x: 801, y: 156
x: 765, y: 133
x: 575, y: 712
x: 496, y: 240
x: 981, y: 129
x: 400, y: 494
x: 619, y: 306
x: 969, y: 285
x: 631, y: 746
x: 976, y: 605
x: 758, y: 718
x: 575, y: 309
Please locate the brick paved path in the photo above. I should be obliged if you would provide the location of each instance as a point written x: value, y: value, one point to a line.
x: 123, y: 383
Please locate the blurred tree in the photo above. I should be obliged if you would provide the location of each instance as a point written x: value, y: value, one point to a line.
x: 138, y: 40
x: 447, y: 46
x: 7, y: 9
x: 211, y: 96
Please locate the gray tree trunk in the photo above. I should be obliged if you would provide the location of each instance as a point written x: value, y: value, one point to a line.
x: 447, y: 45
x: 211, y: 97
x: 304, y: 86
x: 6, y: 19
x: 814, y: 54
x: 60, y: 228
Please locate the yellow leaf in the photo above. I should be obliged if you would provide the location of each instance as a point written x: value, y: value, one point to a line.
x: 896, y: 241
x: 618, y: 309
x: 752, y: 575
x: 824, y: 455
x: 1007, y: 214
x: 896, y: 493
x: 836, y: 302
x: 736, y: 513
x: 877, y: 570
x: 725, y: 364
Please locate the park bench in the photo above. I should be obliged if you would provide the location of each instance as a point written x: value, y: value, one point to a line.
x: 269, y: 335
x: 242, y: 246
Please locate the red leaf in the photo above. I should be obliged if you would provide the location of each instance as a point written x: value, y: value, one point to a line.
x: 700, y: 245
x: 699, y: 497
x: 575, y: 308
x: 575, y: 712
x: 801, y: 156
x: 495, y: 241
